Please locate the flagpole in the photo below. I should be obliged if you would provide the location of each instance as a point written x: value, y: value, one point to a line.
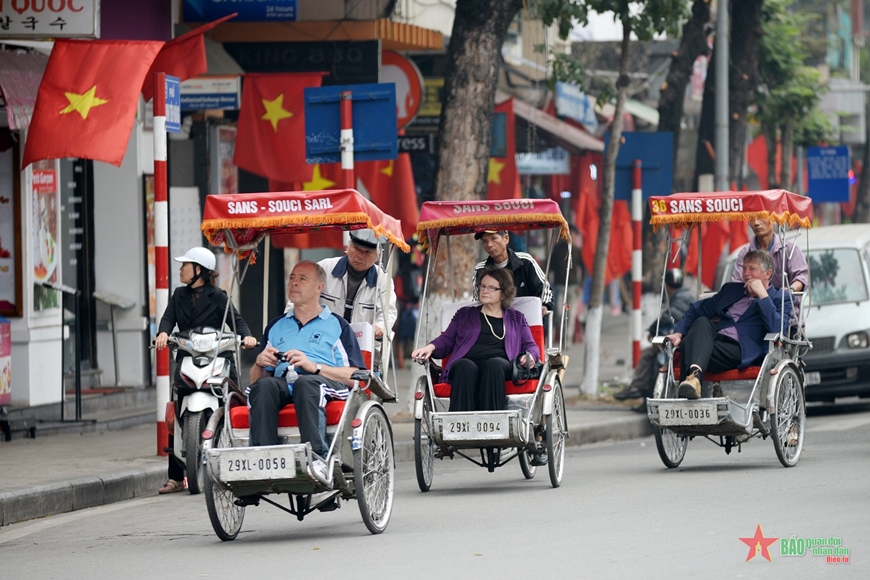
x: 161, y: 252
x: 347, y: 177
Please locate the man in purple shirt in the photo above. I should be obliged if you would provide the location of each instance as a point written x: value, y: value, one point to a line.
x: 795, y: 263
x: 726, y: 331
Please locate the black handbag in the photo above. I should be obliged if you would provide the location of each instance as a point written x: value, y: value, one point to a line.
x: 521, y: 373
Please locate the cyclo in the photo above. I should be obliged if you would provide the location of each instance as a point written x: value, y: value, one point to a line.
x: 534, y: 420
x: 735, y: 406
x: 360, y: 459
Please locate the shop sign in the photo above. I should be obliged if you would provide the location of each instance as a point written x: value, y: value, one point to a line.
x: 248, y: 10
x: 173, y: 105
x: 402, y: 72
x: 50, y: 18
x: 556, y: 161
x: 574, y: 104
x: 205, y: 93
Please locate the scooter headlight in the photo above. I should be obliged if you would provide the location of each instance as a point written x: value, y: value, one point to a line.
x: 203, y: 342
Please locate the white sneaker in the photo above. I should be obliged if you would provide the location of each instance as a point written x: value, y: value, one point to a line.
x: 318, y: 466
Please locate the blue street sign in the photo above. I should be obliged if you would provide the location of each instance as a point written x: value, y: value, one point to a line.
x: 173, y: 104
x: 249, y: 11
x: 656, y: 153
x: 828, y: 173
x: 374, y: 122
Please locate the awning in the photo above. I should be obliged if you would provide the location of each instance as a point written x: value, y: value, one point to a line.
x: 20, y: 75
x: 561, y: 131
x: 393, y: 35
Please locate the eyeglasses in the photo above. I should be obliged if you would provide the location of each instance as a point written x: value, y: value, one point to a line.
x: 489, y: 288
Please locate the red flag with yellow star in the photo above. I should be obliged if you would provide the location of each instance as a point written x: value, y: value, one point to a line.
x: 182, y: 57
x: 503, y: 180
x: 87, y: 99
x: 271, y: 134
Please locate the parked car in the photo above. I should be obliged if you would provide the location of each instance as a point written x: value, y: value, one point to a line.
x: 838, y: 315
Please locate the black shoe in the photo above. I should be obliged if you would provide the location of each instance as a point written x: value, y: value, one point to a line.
x: 640, y: 408
x: 330, y: 506
x: 246, y: 500
x: 539, y: 458
x: 627, y: 392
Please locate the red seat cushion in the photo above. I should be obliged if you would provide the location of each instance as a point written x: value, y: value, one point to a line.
x: 747, y: 374
x: 286, y: 417
x: 530, y: 386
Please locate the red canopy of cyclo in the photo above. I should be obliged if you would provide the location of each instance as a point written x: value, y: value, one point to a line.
x: 249, y: 217
x: 467, y: 217
x: 777, y: 205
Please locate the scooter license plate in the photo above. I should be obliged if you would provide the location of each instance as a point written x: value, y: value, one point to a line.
x: 475, y: 427
x: 688, y: 414
x: 257, y: 464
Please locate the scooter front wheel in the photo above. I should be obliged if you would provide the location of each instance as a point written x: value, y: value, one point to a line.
x: 194, y: 425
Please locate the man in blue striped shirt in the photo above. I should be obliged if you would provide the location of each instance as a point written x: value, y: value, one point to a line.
x: 323, y: 351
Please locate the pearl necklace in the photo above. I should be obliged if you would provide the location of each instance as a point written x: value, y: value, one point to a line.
x: 491, y: 329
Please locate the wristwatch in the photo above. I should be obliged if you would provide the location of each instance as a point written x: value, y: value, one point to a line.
x: 318, y: 368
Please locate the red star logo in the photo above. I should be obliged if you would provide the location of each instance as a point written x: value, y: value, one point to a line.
x: 758, y: 543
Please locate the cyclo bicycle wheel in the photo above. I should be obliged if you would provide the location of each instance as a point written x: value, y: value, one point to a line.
x: 374, y: 470
x: 557, y: 432
x: 226, y: 517
x: 671, y: 447
x: 788, y: 419
x: 424, y: 447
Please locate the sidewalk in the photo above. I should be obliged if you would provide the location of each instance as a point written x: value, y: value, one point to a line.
x: 112, y: 457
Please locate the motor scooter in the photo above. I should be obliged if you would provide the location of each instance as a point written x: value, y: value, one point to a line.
x: 204, y: 373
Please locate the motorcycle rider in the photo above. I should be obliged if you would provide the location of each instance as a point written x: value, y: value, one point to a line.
x: 647, y: 369
x: 198, y: 303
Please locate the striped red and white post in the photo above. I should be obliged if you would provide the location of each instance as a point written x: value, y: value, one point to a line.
x: 347, y: 177
x: 161, y: 252
x: 636, y: 257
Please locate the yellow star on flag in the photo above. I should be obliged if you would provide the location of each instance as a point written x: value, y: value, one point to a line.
x: 494, y: 171
x: 318, y: 182
x: 275, y: 111
x: 388, y: 170
x: 83, y: 103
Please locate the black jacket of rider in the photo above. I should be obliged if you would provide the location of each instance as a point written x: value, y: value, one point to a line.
x: 209, y: 311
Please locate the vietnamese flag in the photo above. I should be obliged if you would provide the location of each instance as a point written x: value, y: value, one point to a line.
x: 503, y: 180
x: 87, y: 99
x: 389, y: 184
x: 324, y: 177
x: 182, y: 57
x: 271, y: 131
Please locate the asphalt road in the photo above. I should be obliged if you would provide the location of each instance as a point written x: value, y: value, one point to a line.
x: 618, y: 514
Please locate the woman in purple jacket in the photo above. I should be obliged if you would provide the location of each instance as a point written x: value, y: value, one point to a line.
x: 482, y: 341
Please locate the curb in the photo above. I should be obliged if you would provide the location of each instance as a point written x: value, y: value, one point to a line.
x: 77, y: 494
x: 87, y: 492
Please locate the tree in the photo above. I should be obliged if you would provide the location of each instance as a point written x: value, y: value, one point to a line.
x: 644, y: 19
x: 693, y: 43
x: 742, y: 80
x: 788, y: 91
x: 479, y: 30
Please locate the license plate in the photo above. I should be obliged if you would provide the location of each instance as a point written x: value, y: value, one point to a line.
x: 813, y: 378
x: 462, y: 428
x: 688, y: 414
x: 255, y: 464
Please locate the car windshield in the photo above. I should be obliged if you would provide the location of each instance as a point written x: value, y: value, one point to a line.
x: 836, y: 276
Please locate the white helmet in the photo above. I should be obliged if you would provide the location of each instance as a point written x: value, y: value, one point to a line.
x: 201, y: 256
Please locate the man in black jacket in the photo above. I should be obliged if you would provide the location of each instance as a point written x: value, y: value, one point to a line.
x: 646, y: 371
x: 529, y: 279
